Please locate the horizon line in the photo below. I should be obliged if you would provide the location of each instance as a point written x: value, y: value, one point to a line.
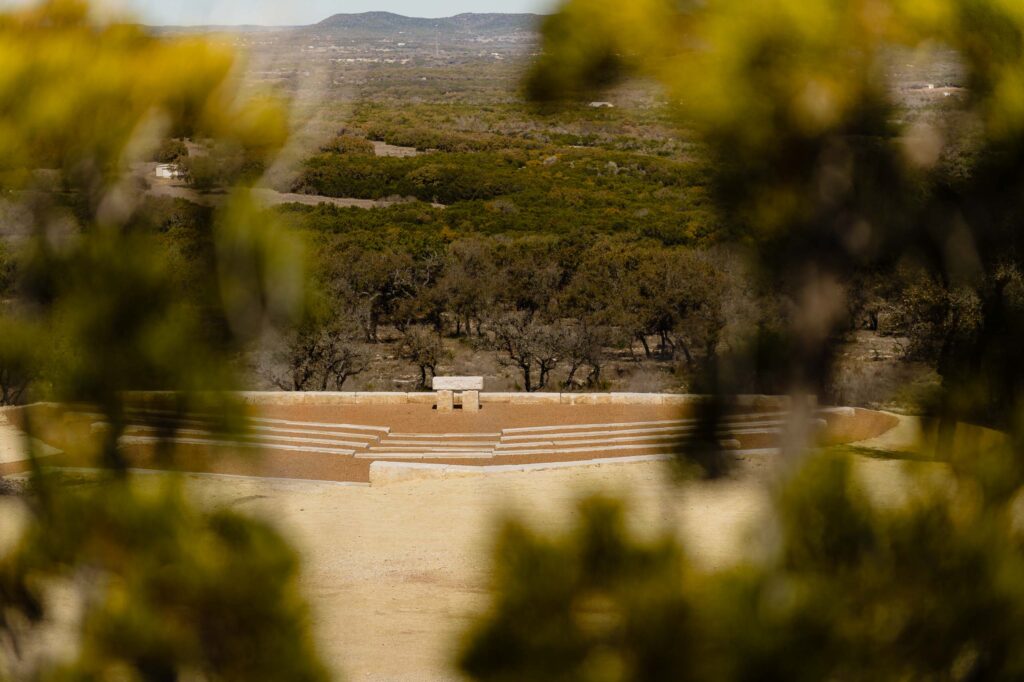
x: 343, y: 14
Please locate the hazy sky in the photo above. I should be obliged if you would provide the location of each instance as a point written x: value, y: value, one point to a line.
x: 302, y: 11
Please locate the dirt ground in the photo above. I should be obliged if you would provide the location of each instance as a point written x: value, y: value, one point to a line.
x: 396, y: 574
x: 871, y: 371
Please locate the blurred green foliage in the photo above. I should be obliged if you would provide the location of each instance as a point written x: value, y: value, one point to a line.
x: 813, y: 164
x: 117, y: 294
x: 596, y: 604
x: 176, y: 591
x: 170, y: 151
x: 850, y: 589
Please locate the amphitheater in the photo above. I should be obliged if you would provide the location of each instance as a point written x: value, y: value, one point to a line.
x: 376, y: 438
x: 393, y: 505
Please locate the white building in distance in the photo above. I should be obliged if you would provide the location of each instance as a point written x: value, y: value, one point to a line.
x: 169, y: 171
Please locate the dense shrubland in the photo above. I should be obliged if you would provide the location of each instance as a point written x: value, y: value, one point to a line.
x: 222, y: 165
x: 604, y: 221
x: 641, y: 127
x: 550, y: 191
x: 553, y: 308
x: 568, y: 185
x: 170, y: 151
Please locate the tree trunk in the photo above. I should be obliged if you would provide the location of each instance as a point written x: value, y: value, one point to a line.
x: 527, y: 383
x: 686, y: 354
x: 573, y: 368
x: 642, y: 338
x: 373, y: 328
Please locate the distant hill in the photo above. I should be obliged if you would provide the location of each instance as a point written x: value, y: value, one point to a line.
x: 384, y: 37
x: 388, y: 23
x: 472, y: 24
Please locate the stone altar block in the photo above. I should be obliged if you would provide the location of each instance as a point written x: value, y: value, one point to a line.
x: 445, y: 401
x: 468, y: 389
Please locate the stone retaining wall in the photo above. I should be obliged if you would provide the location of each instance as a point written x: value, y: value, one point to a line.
x: 331, y: 398
x: 387, y: 473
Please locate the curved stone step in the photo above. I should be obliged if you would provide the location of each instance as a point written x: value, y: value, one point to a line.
x: 453, y: 436
x: 355, y: 439
x: 126, y: 441
x: 437, y: 443
x: 640, y: 424
x: 430, y: 448
x: 264, y: 421
x: 273, y: 439
x: 655, y: 430
x: 596, y: 450
x: 421, y: 454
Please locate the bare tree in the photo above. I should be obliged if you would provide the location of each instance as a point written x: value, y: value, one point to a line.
x: 13, y: 384
x: 547, y: 343
x: 424, y: 349
x: 583, y: 345
x: 373, y: 283
x: 468, y: 282
x: 701, y: 297
x: 527, y: 344
x: 19, y: 361
x: 318, y: 359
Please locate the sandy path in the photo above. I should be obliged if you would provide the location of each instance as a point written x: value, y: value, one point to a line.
x: 12, y: 446
x: 177, y: 189
x: 394, y: 151
x: 395, y: 574
x: 267, y: 197
x: 906, y: 436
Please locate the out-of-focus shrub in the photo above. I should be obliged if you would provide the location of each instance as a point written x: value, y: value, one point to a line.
x: 169, y: 592
x: 170, y: 151
x: 814, y: 169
